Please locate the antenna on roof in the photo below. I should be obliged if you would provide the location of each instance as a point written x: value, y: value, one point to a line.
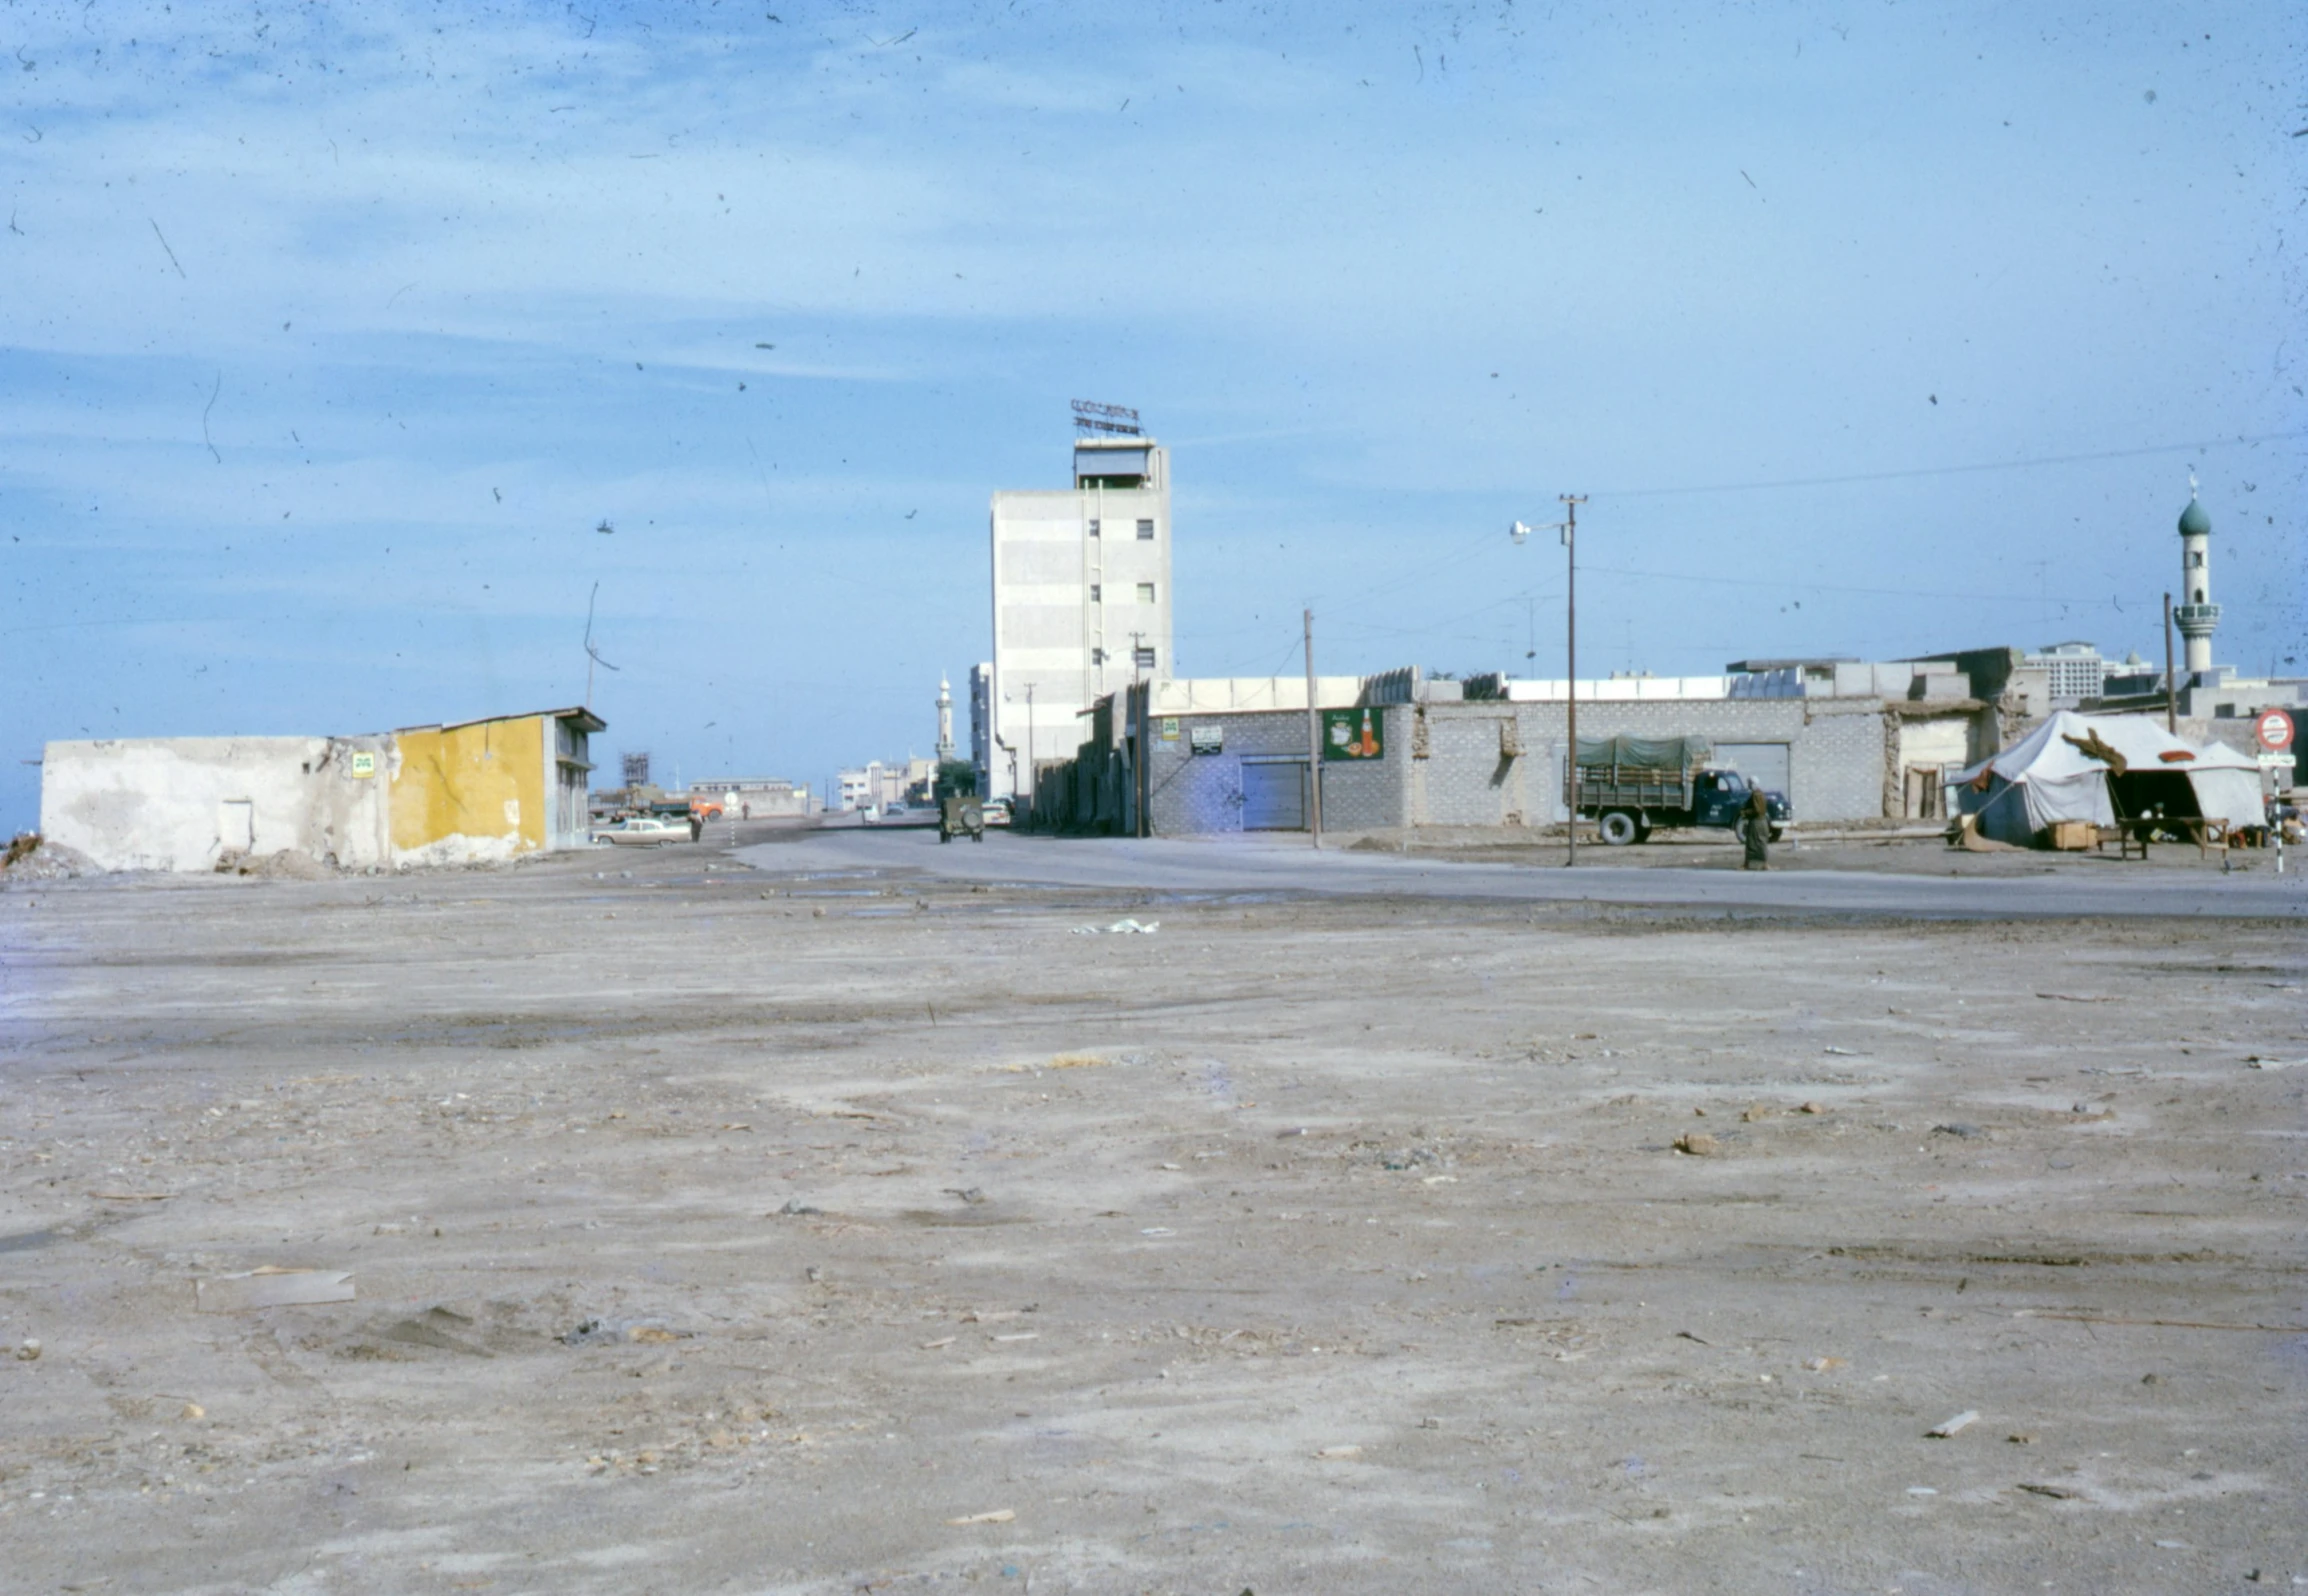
x: 592, y: 654
x: 1120, y: 420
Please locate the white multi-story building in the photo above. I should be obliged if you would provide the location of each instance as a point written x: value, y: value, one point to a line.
x: 2072, y: 671
x: 1081, y: 600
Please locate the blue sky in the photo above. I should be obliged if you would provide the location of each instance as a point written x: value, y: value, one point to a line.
x: 329, y: 336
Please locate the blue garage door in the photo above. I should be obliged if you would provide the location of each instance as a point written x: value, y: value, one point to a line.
x: 1274, y: 795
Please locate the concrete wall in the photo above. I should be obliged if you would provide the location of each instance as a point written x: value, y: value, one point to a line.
x: 464, y: 794
x: 1501, y: 763
x: 184, y: 803
x: 1191, y: 793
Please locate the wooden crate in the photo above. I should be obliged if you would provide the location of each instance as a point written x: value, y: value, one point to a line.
x: 2071, y: 836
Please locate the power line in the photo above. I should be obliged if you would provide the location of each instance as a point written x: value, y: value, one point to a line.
x: 1956, y: 470
x: 1825, y: 587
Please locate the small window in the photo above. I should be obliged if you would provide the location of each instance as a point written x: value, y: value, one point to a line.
x: 2196, y: 558
x: 1097, y: 656
x: 1145, y: 530
x: 1142, y: 658
x: 1145, y: 592
x: 1093, y: 526
x: 1095, y: 593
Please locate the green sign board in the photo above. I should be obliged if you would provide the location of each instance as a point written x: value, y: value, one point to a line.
x: 1353, y: 734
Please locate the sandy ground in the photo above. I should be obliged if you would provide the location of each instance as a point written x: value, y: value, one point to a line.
x: 719, y: 1229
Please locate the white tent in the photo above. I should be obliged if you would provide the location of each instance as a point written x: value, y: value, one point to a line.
x: 2062, y: 771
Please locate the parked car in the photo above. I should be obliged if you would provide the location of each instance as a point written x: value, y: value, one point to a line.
x: 997, y: 811
x: 642, y: 831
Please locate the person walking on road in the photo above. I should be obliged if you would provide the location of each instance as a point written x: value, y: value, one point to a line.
x: 1755, y: 831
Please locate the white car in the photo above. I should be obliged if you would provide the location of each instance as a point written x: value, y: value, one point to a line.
x: 643, y: 831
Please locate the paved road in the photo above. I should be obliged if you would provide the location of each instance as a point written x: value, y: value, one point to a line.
x: 1259, y: 865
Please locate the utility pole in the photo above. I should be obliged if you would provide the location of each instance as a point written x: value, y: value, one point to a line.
x: 1033, y: 772
x: 1313, y: 741
x: 1571, y: 503
x: 2171, y: 689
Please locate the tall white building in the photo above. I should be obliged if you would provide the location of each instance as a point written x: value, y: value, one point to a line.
x: 2197, y: 615
x: 1081, y: 600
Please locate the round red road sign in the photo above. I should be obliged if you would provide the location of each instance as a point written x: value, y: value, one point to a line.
x: 2274, y: 729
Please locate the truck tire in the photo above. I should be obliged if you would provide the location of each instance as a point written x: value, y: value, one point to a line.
x: 1620, y: 827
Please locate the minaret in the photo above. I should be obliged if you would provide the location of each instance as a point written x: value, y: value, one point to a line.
x: 2196, y: 614
x: 946, y: 720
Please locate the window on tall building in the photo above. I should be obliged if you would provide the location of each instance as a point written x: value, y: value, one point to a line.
x: 1145, y: 530
x: 1097, y: 656
x: 1145, y: 592
x: 1142, y: 658
x: 1095, y: 592
x: 1093, y: 526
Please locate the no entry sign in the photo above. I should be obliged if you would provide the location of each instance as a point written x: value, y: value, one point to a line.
x: 2274, y: 729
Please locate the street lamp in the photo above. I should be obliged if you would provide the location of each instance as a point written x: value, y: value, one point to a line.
x: 1569, y: 527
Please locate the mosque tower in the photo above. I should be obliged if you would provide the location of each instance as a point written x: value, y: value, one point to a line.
x: 2196, y: 614
x: 946, y: 719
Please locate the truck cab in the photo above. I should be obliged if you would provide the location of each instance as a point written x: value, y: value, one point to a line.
x: 1717, y: 797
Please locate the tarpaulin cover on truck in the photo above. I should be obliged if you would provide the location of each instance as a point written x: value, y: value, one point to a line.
x: 1676, y: 754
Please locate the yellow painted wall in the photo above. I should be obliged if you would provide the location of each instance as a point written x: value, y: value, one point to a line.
x: 459, y: 782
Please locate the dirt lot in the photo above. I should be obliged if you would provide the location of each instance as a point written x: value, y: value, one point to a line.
x: 717, y: 1229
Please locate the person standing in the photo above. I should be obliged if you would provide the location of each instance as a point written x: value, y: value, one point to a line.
x: 1755, y: 831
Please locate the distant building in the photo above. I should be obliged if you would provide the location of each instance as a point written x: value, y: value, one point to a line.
x: 858, y: 788
x: 982, y: 724
x: 2196, y: 615
x: 1082, y: 599
x: 754, y: 797
x: 2073, y: 672
x: 945, y: 744
x: 876, y: 784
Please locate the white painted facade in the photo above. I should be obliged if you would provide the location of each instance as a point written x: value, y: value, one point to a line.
x: 184, y: 803
x: 1082, y: 600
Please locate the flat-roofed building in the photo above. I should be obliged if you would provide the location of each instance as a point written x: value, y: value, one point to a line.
x: 1081, y: 600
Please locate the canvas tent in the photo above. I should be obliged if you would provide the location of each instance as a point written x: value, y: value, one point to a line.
x: 2105, y: 768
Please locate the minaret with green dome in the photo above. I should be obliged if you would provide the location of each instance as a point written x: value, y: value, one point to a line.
x: 2196, y: 614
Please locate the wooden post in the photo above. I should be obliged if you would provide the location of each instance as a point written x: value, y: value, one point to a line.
x: 1313, y: 741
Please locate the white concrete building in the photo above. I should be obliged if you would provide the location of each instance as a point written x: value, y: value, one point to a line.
x: 1081, y: 600
x: 2073, y: 672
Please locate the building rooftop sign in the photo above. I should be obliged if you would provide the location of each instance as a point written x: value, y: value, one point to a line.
x: 1093, y: 417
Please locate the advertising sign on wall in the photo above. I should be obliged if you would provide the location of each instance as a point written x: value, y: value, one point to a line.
x: 1353, y: 734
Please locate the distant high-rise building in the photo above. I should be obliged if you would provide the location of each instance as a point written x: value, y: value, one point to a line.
x: 636, y: 769
x: 1081, y: 599
x: 2073, y: 672
x: 982, y: 724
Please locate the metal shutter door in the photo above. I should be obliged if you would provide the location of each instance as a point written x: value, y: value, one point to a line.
x: 1274, y: 796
